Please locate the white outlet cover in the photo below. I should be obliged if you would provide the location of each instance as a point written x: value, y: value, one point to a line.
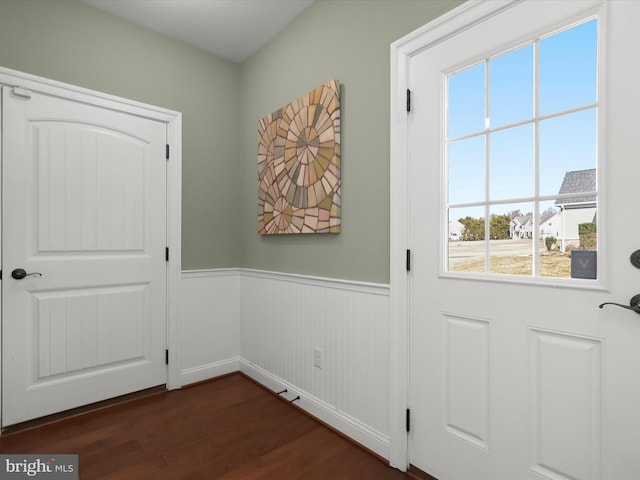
x: 317, y: 357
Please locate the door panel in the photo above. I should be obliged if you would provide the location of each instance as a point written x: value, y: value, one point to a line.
x: 85, y: 177
x: 466, y: 349
x: 84, y: 207
x: 518, y: 378
x: 566, y: 409
x: 80, y: 329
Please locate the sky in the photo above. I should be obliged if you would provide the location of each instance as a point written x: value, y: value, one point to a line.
x: 500, y: 93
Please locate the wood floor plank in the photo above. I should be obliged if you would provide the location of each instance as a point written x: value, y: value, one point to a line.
x: 229, y: 428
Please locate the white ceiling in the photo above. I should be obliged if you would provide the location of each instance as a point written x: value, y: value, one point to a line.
x: 231, y: 29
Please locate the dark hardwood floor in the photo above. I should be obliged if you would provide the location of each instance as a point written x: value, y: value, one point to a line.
x: 227, y: 428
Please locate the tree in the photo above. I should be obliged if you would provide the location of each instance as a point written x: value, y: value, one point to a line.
x: 499, y: 226
x: 473, y: 228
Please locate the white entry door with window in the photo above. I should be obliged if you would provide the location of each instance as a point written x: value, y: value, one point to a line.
x: 84, y: 310
x: 521, y: 161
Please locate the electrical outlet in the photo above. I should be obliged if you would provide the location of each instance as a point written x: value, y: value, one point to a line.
x: 317, y: 358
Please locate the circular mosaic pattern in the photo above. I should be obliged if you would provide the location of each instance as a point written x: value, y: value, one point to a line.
x: 299, y: 165
x: 307, y: 145
x: 282, y: 214
x: 267, y: 137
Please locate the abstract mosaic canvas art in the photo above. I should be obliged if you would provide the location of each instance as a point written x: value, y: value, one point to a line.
x: 299, y: 165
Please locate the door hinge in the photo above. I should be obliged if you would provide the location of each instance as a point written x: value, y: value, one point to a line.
x: 408, y: 260
x: 408, y: 100
x: 166, y: 254
x: 166, y: 357
x: 408, y: 420
x: 167, y: 151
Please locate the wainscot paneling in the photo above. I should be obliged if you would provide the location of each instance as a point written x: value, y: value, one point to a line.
x: 268, y: 324
x: 285, y: 317
x: 210, y: 327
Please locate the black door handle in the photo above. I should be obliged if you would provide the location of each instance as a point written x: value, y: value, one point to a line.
x: 634, y: 304
x: 19, y: 274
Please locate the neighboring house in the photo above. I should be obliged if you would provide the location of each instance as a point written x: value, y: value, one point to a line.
x: 456, y: 229
x: 579, y: 209
x: 521, y: 227
x: 550, y: 225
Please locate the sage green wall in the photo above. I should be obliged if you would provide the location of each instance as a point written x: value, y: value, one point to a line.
x: 78, y: 44
x: 347, y: 40
x: 222, y: 102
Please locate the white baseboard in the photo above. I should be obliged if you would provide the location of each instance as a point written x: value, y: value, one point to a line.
x: 367, y: 437
x: 212, y: 370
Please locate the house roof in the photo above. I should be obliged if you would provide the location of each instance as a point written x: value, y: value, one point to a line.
x: 522, y: 219
x: 547, y: 216
x: 578, y: 181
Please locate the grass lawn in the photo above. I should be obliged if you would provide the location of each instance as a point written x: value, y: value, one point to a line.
x: 550, y: 266
x: 510, y: 263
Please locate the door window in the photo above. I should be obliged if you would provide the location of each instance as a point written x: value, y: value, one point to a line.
x: 521, y: 159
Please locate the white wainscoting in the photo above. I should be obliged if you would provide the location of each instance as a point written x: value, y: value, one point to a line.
x: 284, y: 317
x: 210, y: 324
x: 267, y: 325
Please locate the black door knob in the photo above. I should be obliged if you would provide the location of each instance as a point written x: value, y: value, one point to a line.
x: 20, y: 273
x: 634, y: 304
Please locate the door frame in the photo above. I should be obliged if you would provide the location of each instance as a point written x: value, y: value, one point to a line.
x: 173, y: 122
x: 460, y: 18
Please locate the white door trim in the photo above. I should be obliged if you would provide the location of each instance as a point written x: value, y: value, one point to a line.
x: 458, y: 19
x: 173, y: 121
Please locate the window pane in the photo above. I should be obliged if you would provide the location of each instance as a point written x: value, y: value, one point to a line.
x: 511, y: 245
x: 568, y: 70
x: 467, y: 170
x: 466, y: 240
x: 511, y: 87
x: 584, y: 255
x: 466, y: 102
x: 554, y: 263
x: 574, y: 250
x: 567, y: 143
x: 511, y: 163
x: 549, y: 225
x: 550, y: 155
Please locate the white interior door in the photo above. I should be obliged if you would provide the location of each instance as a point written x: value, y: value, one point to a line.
x: 84, y: 215
x: 522, y: 376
